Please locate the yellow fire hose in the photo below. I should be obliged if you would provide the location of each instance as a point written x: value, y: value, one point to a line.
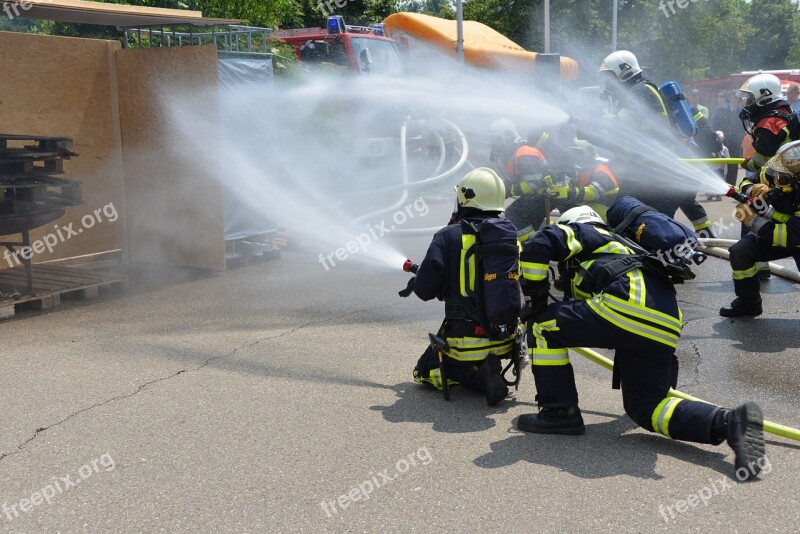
x: 769, y: 426
x: 721, y: 161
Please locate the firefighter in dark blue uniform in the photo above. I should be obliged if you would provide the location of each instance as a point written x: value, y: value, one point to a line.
x: 448, y: 273
x: 774, y: 234
x: 642, y: 114
x: 522, y: 167
x: 631, y: 310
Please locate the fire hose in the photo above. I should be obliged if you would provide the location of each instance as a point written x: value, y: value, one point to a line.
x: 720, y: 161
x: 769, y: 426
x: 719, y: 248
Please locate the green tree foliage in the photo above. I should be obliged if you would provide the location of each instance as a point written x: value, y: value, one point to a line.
x: 702, y: 39
x: 774, y: 24
x: 512, y: 18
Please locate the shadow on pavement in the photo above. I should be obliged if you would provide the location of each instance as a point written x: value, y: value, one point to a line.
x: 773, y: 334
x: 465, y: 412
x: 609, y: 451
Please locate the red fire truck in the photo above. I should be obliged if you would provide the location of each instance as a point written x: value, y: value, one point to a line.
x: 353, y: 49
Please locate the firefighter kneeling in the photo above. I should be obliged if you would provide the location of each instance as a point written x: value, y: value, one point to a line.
x: 774, y: 232
x: 480, y: 321
x: 616, y: 304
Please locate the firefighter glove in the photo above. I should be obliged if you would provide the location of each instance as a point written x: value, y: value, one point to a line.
x: 409, y: 287
x: 744, y: 214
x: 564, y: 192
x: 759, y: 190
x: 522, y: 188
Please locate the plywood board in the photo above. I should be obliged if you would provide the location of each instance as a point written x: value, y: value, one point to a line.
x: 61, y: 86
x: 173, y: 200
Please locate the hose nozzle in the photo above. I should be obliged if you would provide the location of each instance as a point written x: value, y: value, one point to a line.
x: 738, y: 196
x: 410, y: 267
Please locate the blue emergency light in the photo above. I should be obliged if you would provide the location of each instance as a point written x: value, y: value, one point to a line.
x: 336, y: 24
x: 379, y: 30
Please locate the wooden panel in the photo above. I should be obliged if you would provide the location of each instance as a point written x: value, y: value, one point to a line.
x: 173, y: 202
x: 60, y: 86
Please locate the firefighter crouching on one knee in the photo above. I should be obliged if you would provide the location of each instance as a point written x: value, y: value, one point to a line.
x: 594, y: 183
x: 623, y: 307
x: 448, y: 273
x: 522, y: 167
x: 774, y: 231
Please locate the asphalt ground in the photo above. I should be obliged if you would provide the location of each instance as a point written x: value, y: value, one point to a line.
x: 278, y: 397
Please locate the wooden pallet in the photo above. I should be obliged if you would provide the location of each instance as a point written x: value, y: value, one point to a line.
x: 50, y: 284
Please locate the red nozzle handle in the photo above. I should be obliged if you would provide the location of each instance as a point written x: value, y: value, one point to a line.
x: 738, y: 196
x: 410, y: 267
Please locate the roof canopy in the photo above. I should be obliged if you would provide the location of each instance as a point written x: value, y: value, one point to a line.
x: 101, y: 14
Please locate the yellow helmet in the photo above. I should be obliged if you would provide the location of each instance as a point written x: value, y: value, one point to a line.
x: 786, y: 162
x: 506, y: 131
x: 483, y: 189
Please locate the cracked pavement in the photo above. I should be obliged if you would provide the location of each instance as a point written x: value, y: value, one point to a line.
x: 243, y: 401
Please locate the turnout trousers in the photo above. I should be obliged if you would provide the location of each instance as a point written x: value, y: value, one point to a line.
x: 646, y: 369
x: 748, y: 256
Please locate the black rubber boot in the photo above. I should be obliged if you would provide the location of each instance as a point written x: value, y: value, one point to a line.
x: 745, y: 436
x: 491, y: 379
x: 706, y: 233
x: 742, y: 308
x: 567, y: 421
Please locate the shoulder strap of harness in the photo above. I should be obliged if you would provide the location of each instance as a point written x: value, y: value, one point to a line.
x: 635, y: 212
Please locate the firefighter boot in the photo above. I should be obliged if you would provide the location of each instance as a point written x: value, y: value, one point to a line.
x: 748, y: 299
x: 742, y: 427
x: 564, y: 420
x: 491, y: 380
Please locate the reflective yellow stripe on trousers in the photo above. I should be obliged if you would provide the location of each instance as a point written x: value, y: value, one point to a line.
x: 746, y: 273
x: 662, y: 415
x: 541, y: 354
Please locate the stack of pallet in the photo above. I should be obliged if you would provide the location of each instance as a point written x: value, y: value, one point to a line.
x: 30, y: 194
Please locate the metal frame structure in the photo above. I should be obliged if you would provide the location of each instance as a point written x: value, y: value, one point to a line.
x: 230, y: 38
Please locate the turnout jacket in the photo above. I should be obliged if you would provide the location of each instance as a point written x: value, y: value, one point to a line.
x: 769, y: 133
x: 640, y: 302
x: 448, y: 273
x: 783, y: 228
